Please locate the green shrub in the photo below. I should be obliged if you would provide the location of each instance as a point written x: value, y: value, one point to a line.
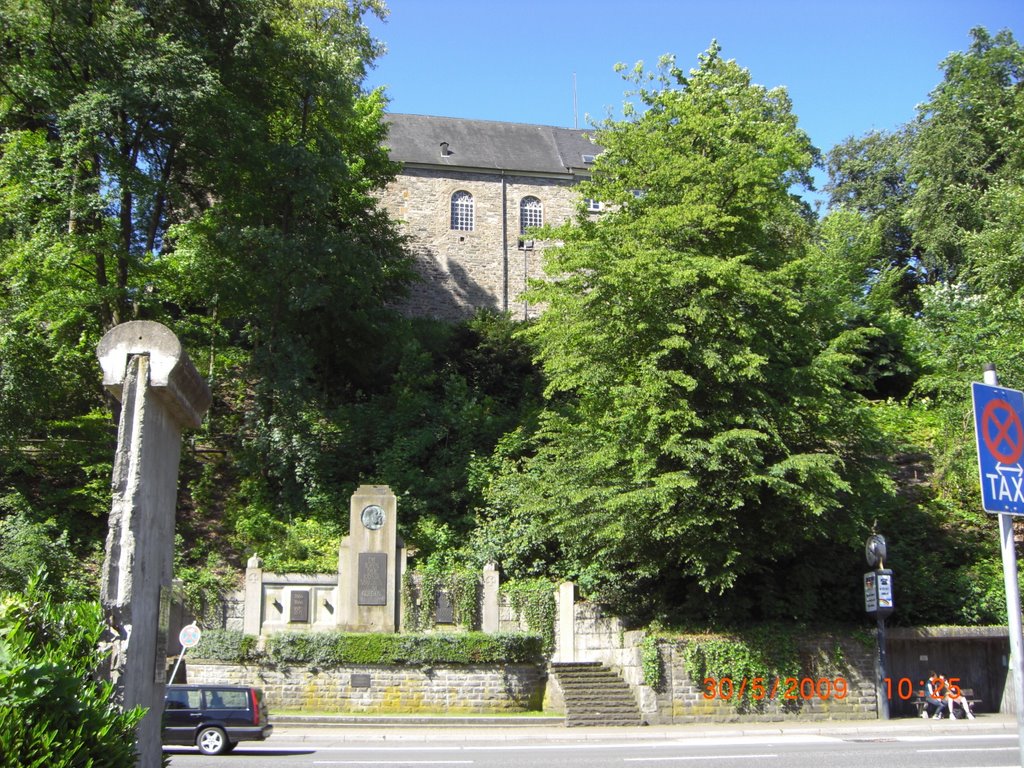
x: 342, y: 648
x: 53, y: 712
x: 225, y: 645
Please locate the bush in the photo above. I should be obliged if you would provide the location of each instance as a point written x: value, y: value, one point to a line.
x: 341, y: 648
x: 52, y: 710
x: 225, y: 645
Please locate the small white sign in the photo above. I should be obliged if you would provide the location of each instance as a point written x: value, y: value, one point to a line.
x: 189, y: 636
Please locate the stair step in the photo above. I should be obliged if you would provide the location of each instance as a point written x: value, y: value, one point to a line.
x: 595, y: 696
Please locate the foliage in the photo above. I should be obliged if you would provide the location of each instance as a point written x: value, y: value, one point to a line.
x: 53, y: 710
x: 203, y: 586
x: 700, y: 424
x: 651, y: 663
x: 768, y: 653
x: 534, y: 600
x: 340, y: 648
x: 968, y: 143
x: 212, y: 168
x: 225, y: 645
x: 27, y: 546
x: 422, y: 586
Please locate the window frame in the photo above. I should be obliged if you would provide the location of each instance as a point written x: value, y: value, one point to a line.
x: 462, y: 211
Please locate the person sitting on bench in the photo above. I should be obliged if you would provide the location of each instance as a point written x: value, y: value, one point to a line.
x: 934, y: 689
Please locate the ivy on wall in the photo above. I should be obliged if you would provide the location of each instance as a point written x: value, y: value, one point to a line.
x: 421, y: 588
x: 534, y: 600
x: 651, y: 664
x: 766, y: 654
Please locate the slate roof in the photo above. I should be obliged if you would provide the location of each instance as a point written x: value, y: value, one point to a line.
x: 486, y: 144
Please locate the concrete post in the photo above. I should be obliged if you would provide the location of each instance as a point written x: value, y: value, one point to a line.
x: 489, y: 616
x: 566, y: 634
x: 252, y: 619
x: 146, y: 369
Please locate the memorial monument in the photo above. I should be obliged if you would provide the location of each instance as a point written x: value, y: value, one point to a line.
x: 370, y: 563
x: 161, y: 394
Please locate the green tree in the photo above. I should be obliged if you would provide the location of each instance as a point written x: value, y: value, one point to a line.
x: 700, y: 427
x: 968, y: 140
x: 208, y: 166
x: 869, y: 174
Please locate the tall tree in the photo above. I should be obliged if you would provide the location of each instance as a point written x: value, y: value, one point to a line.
x: 969, y: 138
x: 206, y: 164
x: 699, y: 427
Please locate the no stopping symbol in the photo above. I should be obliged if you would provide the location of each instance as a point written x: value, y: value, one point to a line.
x: 1002, y: 432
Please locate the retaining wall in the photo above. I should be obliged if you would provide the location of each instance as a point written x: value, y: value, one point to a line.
x: 385, y: 689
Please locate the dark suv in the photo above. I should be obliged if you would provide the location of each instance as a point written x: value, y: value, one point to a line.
x: 214, y: 717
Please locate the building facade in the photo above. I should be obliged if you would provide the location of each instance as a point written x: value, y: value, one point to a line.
x: 468, y: 192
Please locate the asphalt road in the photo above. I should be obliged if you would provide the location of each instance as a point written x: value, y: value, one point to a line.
x: 971, y: 747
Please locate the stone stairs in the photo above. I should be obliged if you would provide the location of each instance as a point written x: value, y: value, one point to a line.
x: 594, y: 695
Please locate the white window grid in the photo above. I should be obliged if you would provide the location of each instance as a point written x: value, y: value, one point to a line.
x: 462, y: 211
x: 531, y: 214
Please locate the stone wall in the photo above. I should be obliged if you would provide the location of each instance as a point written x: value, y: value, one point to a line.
x: 483, y: 268
x: 367, y: 689
x: 811, y: 696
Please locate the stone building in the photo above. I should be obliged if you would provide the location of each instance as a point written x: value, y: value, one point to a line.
x: 468, y: 191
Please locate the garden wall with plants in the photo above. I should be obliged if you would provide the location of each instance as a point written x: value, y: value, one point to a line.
x: 762, y: 675
x: 362, y: 673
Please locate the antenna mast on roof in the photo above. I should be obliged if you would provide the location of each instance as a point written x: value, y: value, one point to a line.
x: 575, y: 110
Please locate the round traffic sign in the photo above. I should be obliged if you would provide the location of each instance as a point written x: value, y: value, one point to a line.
x: 1002, y: 431
x: 189, y: 636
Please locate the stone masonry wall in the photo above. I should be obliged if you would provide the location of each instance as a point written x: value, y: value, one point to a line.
x: 464, y: 270
x: 810, y: 697
x: 391, y: 690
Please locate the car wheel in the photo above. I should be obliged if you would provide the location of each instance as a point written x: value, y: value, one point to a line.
x: 212, y: 741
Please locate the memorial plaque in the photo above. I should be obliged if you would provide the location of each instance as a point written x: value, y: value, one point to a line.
x: 360, y: 680
x: 373, y: 578
x: 299, y: 609
x: 444, y: 611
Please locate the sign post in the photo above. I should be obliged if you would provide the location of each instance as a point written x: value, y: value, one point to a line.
x: 999, y: 433
x: 189, y: 638
x: 878, y: 603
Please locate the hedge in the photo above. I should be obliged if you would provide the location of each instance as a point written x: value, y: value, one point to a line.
x: 328, y: 649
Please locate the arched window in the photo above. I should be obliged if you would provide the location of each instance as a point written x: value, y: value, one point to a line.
x: 462, y: 211
x: 531, y: 214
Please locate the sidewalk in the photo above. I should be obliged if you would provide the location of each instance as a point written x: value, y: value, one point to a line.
x: 445, y: 730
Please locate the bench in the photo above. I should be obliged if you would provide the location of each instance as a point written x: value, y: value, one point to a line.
x: 968, y: 693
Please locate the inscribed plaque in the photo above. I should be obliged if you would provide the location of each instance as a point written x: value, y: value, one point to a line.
x: 299, y: 609
x: 444, y: 611
x: 360, y: 680
x: 373, y: 578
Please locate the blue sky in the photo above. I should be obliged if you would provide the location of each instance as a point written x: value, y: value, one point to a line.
x: 850, y: 67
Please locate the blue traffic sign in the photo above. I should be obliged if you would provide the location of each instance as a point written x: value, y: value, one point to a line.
x: 999, y: 430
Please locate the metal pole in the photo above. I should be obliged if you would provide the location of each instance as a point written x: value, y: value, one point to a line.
x: 882, y: 667
x: 1013, y: 616
x: 174, y: 672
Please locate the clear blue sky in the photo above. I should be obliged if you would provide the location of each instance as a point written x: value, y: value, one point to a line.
x: 850, y: 67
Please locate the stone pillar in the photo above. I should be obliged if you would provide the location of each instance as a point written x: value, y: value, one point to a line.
x: 146, y: 369
x: 252, y: 619
x: 369, y: 562
x: 566, y: 631
x: 489, y: 616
